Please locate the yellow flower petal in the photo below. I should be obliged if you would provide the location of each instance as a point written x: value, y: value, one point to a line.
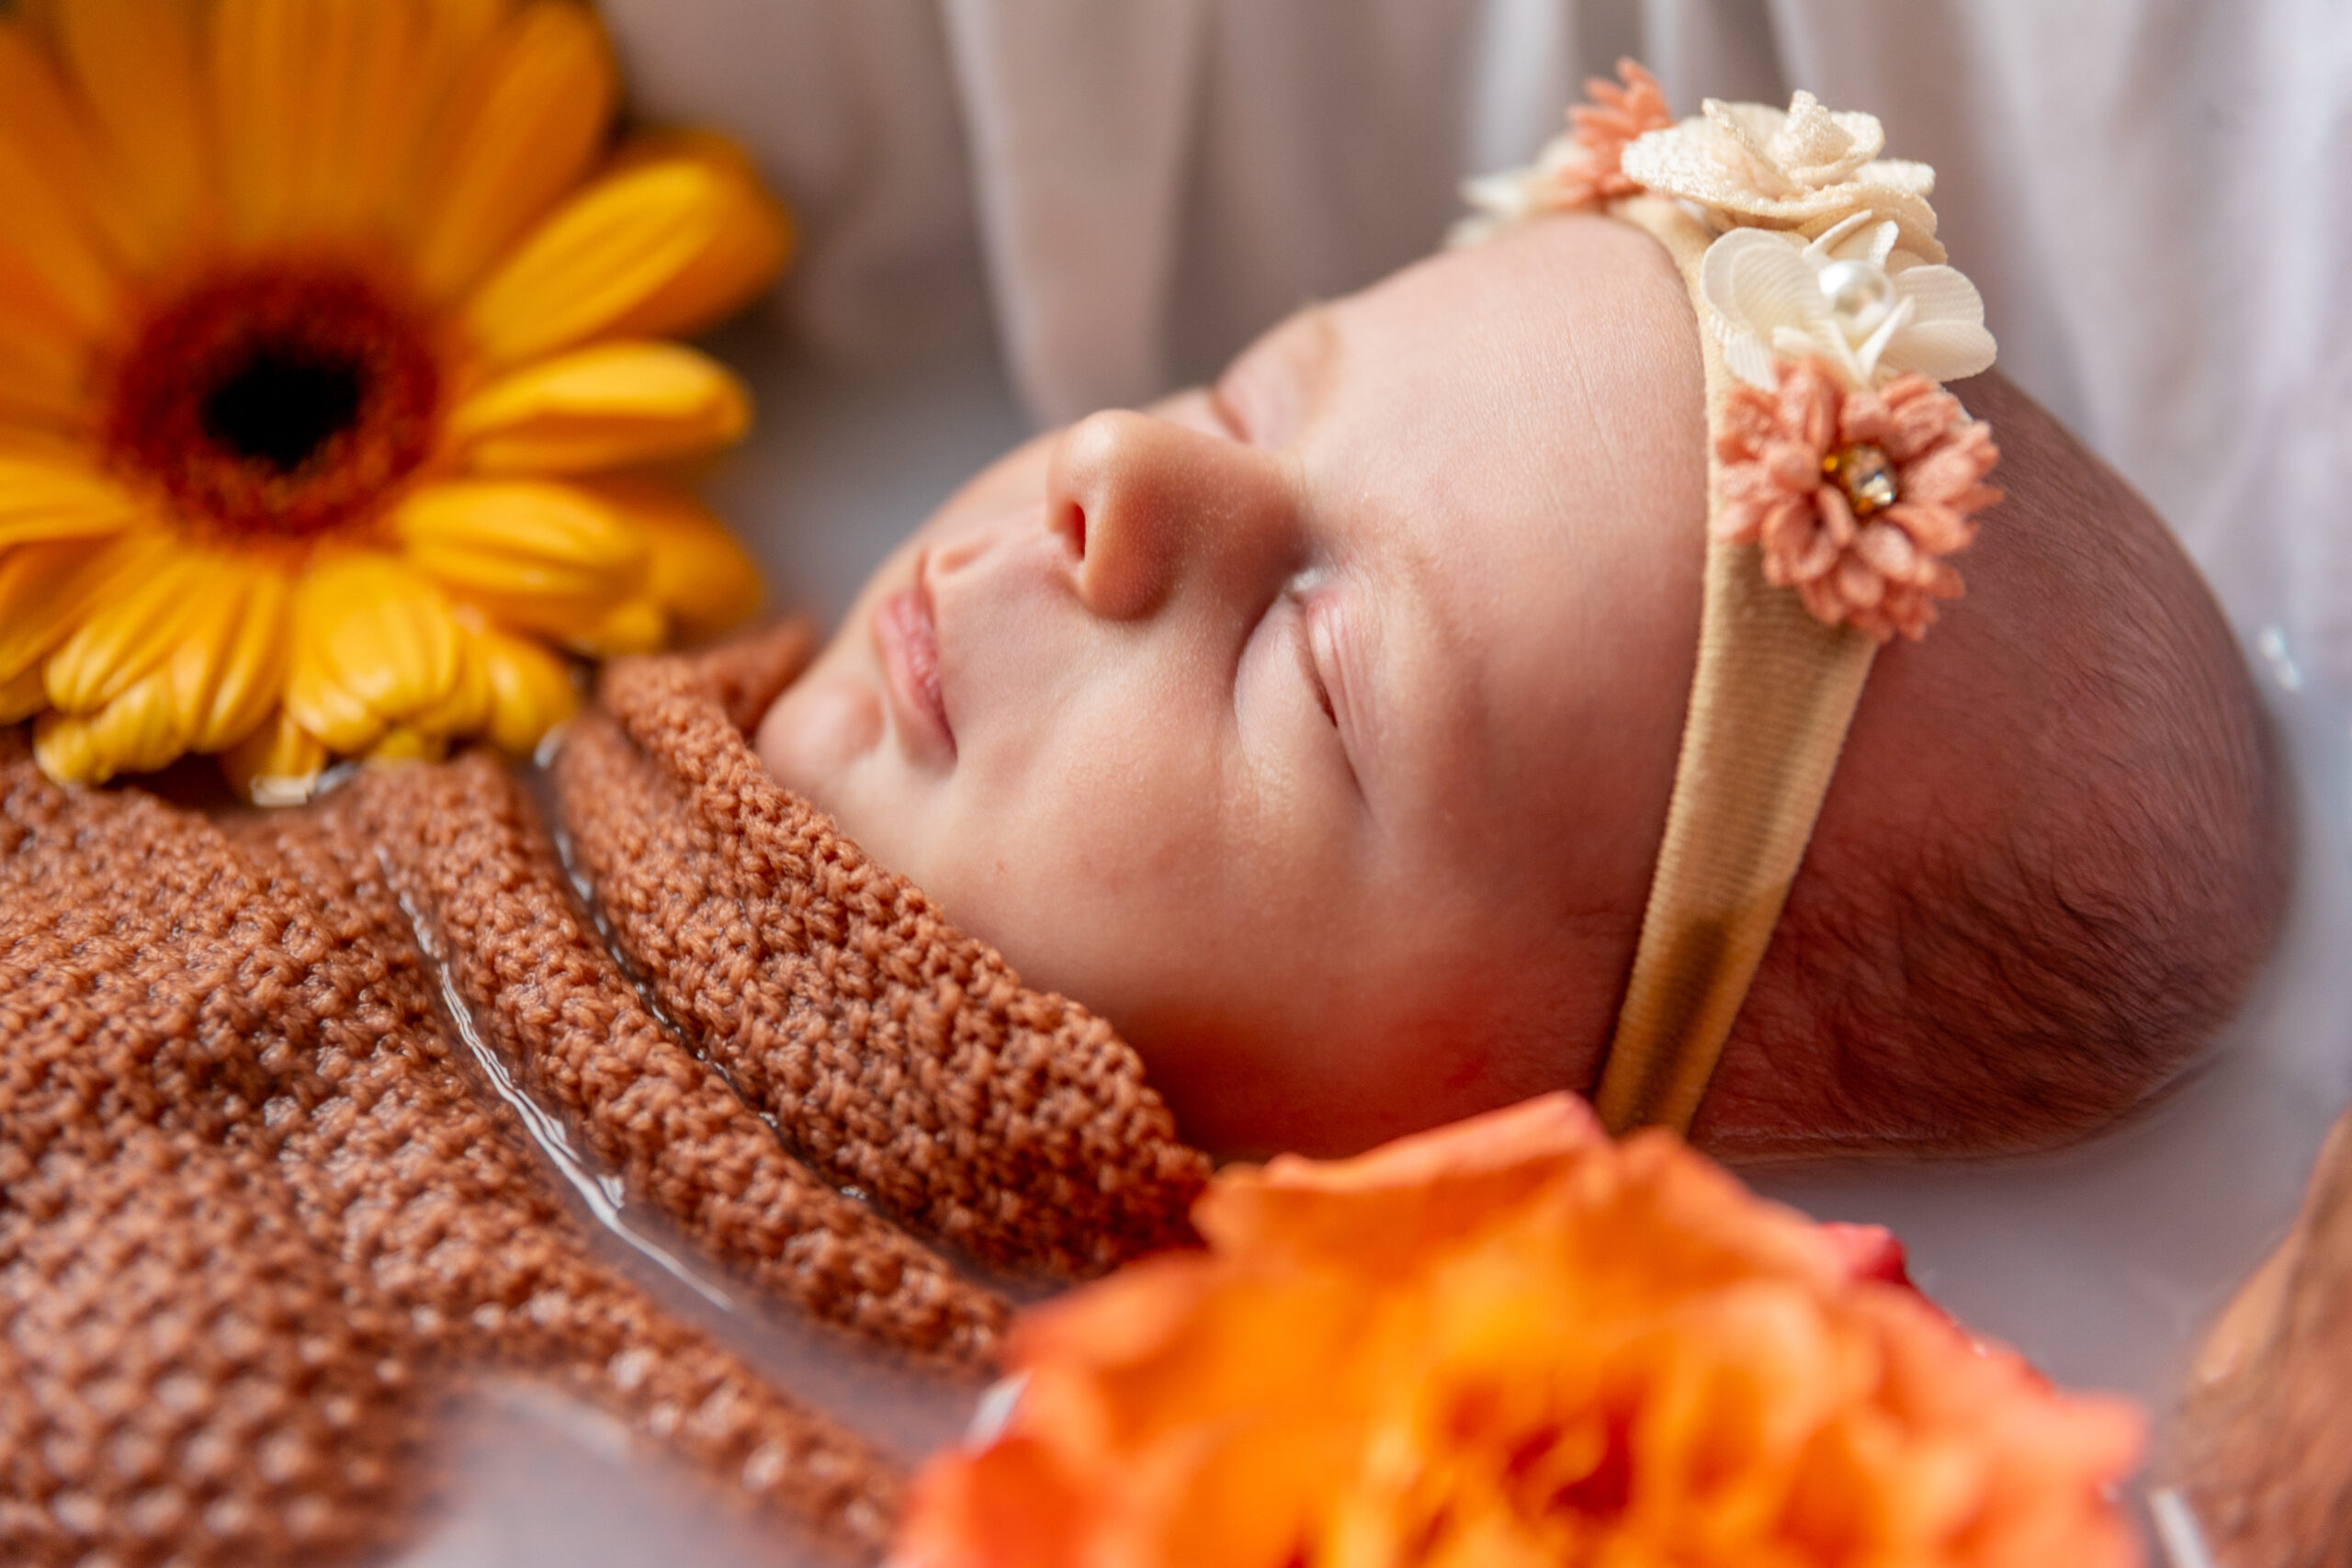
x: 22, y: 694
x: 129, y: 630
x: 321, y: 103
x: 38, y: 115
x: 545, y: 556
x: 136, y: 63
x: 278, y: 764
x: 754, y: 243
x: 254, y: 77
x: 697, y: 571
x: 49, y: 496
x: 136, y: 733
x: 406, y: 743
x: 46, y: 587
x: 43, y: 370
x: 520, y: 129
x: 458, y: 28
x: 605, y: 407
x: 53, y: 273
x: 652, y: 249
x: 214, y: 625
x: 326, y: 106
x: 49, y: 174
x: 532, y: 691
x: 373, y: 644
x: 228, y: 672
x: 466, y: 711
x: 636, y: 625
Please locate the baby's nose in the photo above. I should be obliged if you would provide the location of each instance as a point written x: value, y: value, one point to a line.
x: 1146, y: 505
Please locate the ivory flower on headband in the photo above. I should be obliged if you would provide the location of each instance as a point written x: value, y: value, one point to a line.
x: 1804, y: 167
x: 1848, y: 298
x: 333, y: 397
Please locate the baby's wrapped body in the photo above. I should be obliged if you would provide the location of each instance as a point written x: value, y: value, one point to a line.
x: 260, y: 1198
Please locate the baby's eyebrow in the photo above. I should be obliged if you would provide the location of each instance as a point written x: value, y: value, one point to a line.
x: 1274, y: 390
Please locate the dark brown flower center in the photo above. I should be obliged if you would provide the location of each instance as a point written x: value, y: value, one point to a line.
x: 280, y: 401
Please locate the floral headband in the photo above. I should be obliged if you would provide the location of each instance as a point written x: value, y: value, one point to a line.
x: 1841, y: 477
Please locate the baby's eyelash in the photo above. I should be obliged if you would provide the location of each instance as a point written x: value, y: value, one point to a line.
x: 1314, y: 682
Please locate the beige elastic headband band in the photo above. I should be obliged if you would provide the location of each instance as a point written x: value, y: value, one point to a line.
x: 1769, y: 705
x: 1839, y: 477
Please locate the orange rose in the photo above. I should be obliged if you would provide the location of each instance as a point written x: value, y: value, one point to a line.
x: 1511, y: 1341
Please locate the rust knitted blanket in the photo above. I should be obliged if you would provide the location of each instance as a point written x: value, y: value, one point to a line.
x: 264, y: 1181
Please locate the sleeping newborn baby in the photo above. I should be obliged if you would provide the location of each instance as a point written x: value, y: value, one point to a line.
x: 1317, y: 728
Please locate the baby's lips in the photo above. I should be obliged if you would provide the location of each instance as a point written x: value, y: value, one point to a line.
x: 906, y: 634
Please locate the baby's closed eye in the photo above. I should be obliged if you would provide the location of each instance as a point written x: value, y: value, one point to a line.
x: 1311, y: 624
x: 1312, y: 644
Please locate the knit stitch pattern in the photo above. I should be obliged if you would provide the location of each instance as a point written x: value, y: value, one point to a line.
x: 900, y: 1055
x: 258, y: 1204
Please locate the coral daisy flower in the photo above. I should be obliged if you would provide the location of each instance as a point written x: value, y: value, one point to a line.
x: 333, y: 403
x: 1579, y: 170
x: 1856, y: 495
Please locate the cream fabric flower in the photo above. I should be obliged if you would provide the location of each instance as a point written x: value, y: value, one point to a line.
x: 1806, y: 168
x: 1852, y: 298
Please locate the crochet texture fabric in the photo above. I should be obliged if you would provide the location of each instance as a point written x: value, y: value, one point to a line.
x: 257, y: 1198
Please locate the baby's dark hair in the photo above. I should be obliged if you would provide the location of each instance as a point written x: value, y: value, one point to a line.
x: 2054, y: 855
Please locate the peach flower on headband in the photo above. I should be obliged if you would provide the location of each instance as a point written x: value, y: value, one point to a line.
x: 1513, y: 1342
x: 1856, y: 496
x: 1805, y: 167
x: 1579, y: 170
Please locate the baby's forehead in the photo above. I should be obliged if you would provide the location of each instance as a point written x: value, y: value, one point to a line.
x: 1509, y: 452
x: 1553, y: 370
x: 1513, y: 439
x: 1547, y: 294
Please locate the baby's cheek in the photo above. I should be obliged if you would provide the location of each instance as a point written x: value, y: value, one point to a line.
x: 817, y: 731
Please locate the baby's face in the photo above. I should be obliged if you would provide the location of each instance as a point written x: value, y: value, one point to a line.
x: 1284, y: 723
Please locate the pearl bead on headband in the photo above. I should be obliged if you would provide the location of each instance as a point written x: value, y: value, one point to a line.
x: 1841, y: 477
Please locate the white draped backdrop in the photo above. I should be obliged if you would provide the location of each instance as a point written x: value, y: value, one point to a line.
x: 2154, y: 196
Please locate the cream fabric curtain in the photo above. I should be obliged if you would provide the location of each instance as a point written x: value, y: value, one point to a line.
x: 2154, y: 196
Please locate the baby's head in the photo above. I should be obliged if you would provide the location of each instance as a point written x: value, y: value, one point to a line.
x: 1316, y: 729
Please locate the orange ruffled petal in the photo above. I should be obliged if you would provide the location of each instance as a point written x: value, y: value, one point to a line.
x: 1511, y: 1342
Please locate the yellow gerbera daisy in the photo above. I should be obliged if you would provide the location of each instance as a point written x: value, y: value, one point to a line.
x: 331, y: 402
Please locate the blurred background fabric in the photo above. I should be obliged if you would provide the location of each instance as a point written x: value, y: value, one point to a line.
x: 2153, y: 195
